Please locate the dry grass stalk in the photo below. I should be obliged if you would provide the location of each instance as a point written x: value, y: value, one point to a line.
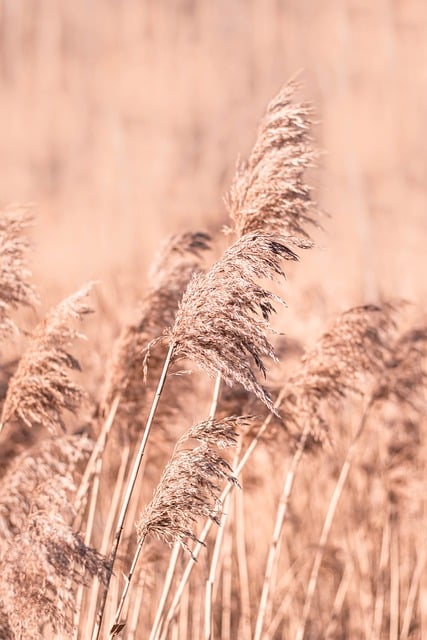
x: 36, y: 570
x: 226, y: 306
x: 269, y: 192
x: 15, y: 291
x: 41, y: 388
x: 357, y: 345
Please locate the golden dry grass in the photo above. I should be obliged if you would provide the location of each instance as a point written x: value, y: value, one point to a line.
x: 134, y: 117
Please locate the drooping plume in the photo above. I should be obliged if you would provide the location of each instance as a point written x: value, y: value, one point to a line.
x: 41, y: 388
x: 224, y: 316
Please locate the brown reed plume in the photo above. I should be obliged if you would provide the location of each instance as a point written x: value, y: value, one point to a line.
x: 57, y: 460
x: 224, y: 315
x: 170, y: 274
x: 347, y: 359
x: 36, y: 570
x: 15, y: 290
x: 41, y: 388
x: 269, y: 192
x: 188, y: 489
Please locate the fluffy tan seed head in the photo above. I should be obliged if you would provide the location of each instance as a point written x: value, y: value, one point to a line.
x: 224, y: 316
x: 269, y: 192
x: 15, y: 291
x: 349, y: 358
x: 41, y: 388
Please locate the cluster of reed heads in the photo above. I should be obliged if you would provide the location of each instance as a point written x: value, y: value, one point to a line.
x: 229, y: 505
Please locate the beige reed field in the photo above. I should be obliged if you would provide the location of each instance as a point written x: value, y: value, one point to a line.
x: 213, y: 320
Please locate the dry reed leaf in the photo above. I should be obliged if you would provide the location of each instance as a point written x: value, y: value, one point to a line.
x: 224, y: 314
x: 41, y: 388
x: 269, y: 192
x: 348, y: 358
x: 15, y: 291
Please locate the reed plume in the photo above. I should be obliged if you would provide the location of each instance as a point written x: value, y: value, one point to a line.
x: 41, y: 388
x: 269, y: 192
x: 348, y: 358
x: 37, y: 479
x: 224, y: 314
x: 15, y: 290
x: 173, y: 268
x: 36, y: 569
x: 188, y: 488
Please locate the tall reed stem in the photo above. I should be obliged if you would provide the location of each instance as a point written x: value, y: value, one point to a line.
x: 280, y: 518
x: 129, y: 489
x: 345, y: 470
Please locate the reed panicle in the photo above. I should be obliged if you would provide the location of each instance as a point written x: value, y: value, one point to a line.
x: 36, y: 570
x: 38, y: 478
x: 269, y: 192
x: 224, y: 314
x: 170, y: 274
x: 15, y: 290
x: 188, y: 488
x: 405, y: 376
x: 41, y: 388
x: 348, y: 358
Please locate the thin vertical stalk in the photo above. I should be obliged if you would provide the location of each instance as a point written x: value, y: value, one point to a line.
x: 212, y: 572
x: 345, y: 470
x: 130, y: 488
x: 227, y: 585
x: 412, y: 595
x: 126, y: 588
x: 166, y: 587
x: 277, y: 532
x: 339, y: 601
x: 394, y: 579
x: 96, y: 452
x: 113, y: 506
x: 245, y: 631
x: 87, y: 539
x: 381, y: 589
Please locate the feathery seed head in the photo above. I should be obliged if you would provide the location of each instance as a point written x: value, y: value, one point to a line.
x: 41, y: 387
x: 171, y: 272
x: 349, y: 358
x: 269, y: 192
x: 188, y: 489
x: 224, y: 314
x: 36, y: 570
x: 15, y: 291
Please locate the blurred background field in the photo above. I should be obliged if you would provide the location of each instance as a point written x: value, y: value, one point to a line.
x: 122, y: 122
